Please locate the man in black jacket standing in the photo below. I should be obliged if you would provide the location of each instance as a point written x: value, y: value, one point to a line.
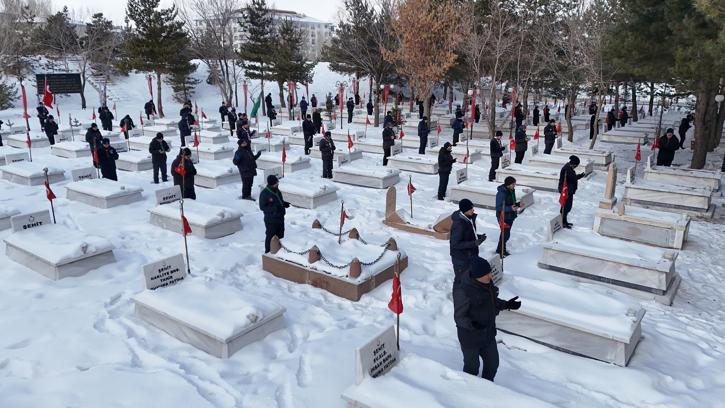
x: 313, y: 101
x: 457, y: 129
x: 158, y: 149
x: 308, y: 132
x: 246, y: 162
x: 327, y: 151
x: 106, y: 117
x: 303, y: 107
x: 388, y: 141
x: 684, y: 127
x: 93, y: 137
x: 370, y: 106
x: 549, y: 136
x: 568, y: 175
x: 42, y: 114
x: 536, y: 115
x: 423, y: 131
x: 107, y: 157
x: 317, y: 120
x: 274, y: 208
x: 185, y: 128
x: 522, y: 143
x: 465, y: 240
x: 350, y: 108
x: 475, y: 307
x: 445, y: 166
x: 668, y: 145
x: 496, y: 152
x: 149, y: 108
x: 223, y: 113
x: 51, y: 129
x: 186, y: 181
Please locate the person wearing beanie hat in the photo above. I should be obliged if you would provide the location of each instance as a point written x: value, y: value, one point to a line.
x: 497, y: 149
x: 549, y: 136
x: 42, y: 114
x: 187, y: 180
x: 568, y: 175
x: 246, y: 163
x: 93, y: 137
x: 464, y: 240
x: 445, y: 166
x: 475, y: 307
x: 51, y: 129
x: 668, y: 145
x: 158, y: 149
x: 423, y: 131
x: 107, y: 156
x: 327, y: 153
x: 507, y: 209
x: 274, y: 208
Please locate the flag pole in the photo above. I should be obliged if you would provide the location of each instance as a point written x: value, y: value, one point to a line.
x: 342, y: 209
x: 397, y: 315
x: 29, y: 143
x: 183, y: 230
x: 47, y: 183
x: 410, y: 182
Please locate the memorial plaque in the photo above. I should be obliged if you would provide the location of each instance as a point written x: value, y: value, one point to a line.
x: 87, y: 173
x: 461, y: 175
x: 376, y: 357
x: 496, y: 270
x: 396, y: 149
x: 24, y: 222
x: 432, y: 142
x: 59, y: 83
x: 505, y: 161
x: 168, y: 195
x: 554, y: 226
x: 165, y: 272
x: 16, y: 157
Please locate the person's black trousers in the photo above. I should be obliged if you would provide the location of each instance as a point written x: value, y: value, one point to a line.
x: 473, y: 354
x: 272, y: 229
x: 520, y: 157
x: 159, y: 166
x: 567, y: 209
x: 495, y: 161
x: 247, y: 186
x: 423, y: 143
x: 547, y: 147
x: 327, y: 168
x: 442, y: 184
x: 386, y: 154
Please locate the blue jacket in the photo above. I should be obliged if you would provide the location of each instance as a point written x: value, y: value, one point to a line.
x: 272, y: 205
x: 505, y: 200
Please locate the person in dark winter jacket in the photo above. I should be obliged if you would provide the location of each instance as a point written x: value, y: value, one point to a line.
x: 246, y: 162
x: 623, y: 117
x: 274, y: 208
x: 158, y: 149
x: 593, y: 123
x: 243, y: 133
x: 232, y: 118
x: 107, y: 157
x: 127, y: 124
x: 475, y: 307
x: 313, y: 101
x: 327, y: 151
x: 668, y: 145
x: 507, y: 209
x: 465, y: 240
x: 611, y: 119
x: 522, y: 143
x: 51, y: 129
x: 106, y: 117
x: 519, y: 115
x: 186, y: 181
x: 445, y: 166
x: 388, y: 119
x: 185, y: 128
x: 308, y: 132
x: 593, y: 107
x: 350, y: 108
x: 549, y: 136
x: 459, y: 112
x: 357, y: 99
x: 185, y: 110
x: 497, y: 149
x: 477, y: 114
x: 370, y: 106
x: 317, y: 120
x: 546, y: 113
x: 42, y: 115
x: 223, y: 113
x: 568, y: 175
x: 149, y: 109
x: 421, y: 109
x: 457, y: 130
x: 535, y: 119
x: 272, y: 115
x: 337, y: 100
x: 303, y: 107
x: 388, y: 141
x: 423, y: 131
x: 684, y: 127
x: 268, y: 102
x: 93, y: 137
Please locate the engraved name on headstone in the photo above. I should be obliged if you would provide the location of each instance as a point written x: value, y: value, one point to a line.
x: 87, y: 173
x: 24, y: 222
x: 16, y: 157
x: 168, y: 195
x: 165, y: 272
x: 554, y: 226
x: 376, y: 357
x: 461, y: 175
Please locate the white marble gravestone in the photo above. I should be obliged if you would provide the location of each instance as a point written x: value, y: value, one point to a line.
x: 103, y: 193
x: 71, y: 150
x: 366, y: 177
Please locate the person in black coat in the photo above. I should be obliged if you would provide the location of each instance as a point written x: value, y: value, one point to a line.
x: 445, y: 166
x: 185, y: 128
x: 507, y: 209
x: 357, y: 99
x: 246, y: 162
x: 106, y: 117
x: 421, y: 109
x: 274, y: 208
x: 624, y: 117
x: 457, y: 129
x: 459, y: 112
x: 535, y: 119
x: 519, y: 115
x: 313, y: 101
x: 107, y: 157
x: 149, y: 108
x: 350, y: 108
x: 223, y: 113
x: 185, y: 110
x: 243, y: 132
x: 327, y: 151
x: 303, y: 107
x: 51, y: 129
x: 388, y: 119
x: 464, y: 240
x: 158, y: 149
x: 549, y: 136
x: 668, y: 145
x: 42, y: 115
x: 93, y: 137
x: 187, y: 180
x: 388, y: 141
x: 317, y: 120
x: 522, y: 143
x: 423, y: 131
x: 337, y: 100
x: 593, y: 107
x: 546, y: 113
x: 568, y: 175
x: 308, y: 131
x: 232, y: 118
x: 684, y: 127
x: 370, y: 106
x: 268, y: 102
x: 475, y: 307
x: 497, y: 149
x: 611, y: 119
x: 127, y: 124
x: 477, y: 113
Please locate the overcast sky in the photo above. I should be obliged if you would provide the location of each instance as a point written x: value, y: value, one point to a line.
x: 116, y: 9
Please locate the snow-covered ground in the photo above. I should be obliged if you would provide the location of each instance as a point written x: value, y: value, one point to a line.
x: 77, y: 342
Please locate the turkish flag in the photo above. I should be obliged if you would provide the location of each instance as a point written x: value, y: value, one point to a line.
x: 402, y: 134
x: 185, y: 227
x: 656, y: 143
x: 180, y: 169
x: 396, y: 299
x: 284, y: 154
x: 26, y: 115
x: 268, y: 134
x: 96, y: 160
x: 558, y: 127
x: 465, y: 158
x: 367, y: 121
x: 501, y: 224
x: 47, y: 95
x: 93, y: 115
x: 203, y: 115
x: 196, y: 140
x: 439, y: 129
x: 48, y: 192
x: 564, y: 194
x: 343, y: 217
x: 536, y: 134
x: 349, y: 141
x: 411, y: 187
x: 140, y: 116
x: 27, y: 139
x: 512, y: 143
x: 637, y: 154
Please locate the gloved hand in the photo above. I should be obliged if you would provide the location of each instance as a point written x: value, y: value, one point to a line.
x: 286, y: 204
x: 481, y: 238
x: 455, y: 160
x: 513, y: 304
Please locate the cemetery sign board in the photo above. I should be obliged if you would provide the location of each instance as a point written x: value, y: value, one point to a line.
x: 25, y: 222
x: 165, y: 272
x: 376, y: 357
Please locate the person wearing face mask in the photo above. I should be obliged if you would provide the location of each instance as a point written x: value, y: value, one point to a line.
x: 465, y: 240
x: 445, y: 166
x: 497, y: 150
x: 568, y: 177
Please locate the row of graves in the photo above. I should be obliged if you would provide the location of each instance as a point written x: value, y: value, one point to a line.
x: 643, y: 131
x: 349, y: 263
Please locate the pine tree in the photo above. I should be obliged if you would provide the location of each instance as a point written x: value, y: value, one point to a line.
x: 8, y: 93
x: 288, y: 63
x: 180, y: 78
x: 156, y: 42
x: 257, y: 52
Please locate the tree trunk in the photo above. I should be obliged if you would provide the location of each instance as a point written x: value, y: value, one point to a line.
x: 719, y: 124
x: 600, y: 108
x: 711, y: 125
x: 450, y: 99
x: 426, y: 103
x: 571, y: 101
x: 651, y: 97
x: 83, y: 92
x: 491, y: 120
x: 264, y: 104
x: 159, y: 105
x: 282, y: 103
x: 635, y: 114
x: 703, y: 93
x: 616, y: 100
x: 376, y: 108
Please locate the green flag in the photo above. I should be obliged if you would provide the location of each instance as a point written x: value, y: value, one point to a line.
x: 255, y: 108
